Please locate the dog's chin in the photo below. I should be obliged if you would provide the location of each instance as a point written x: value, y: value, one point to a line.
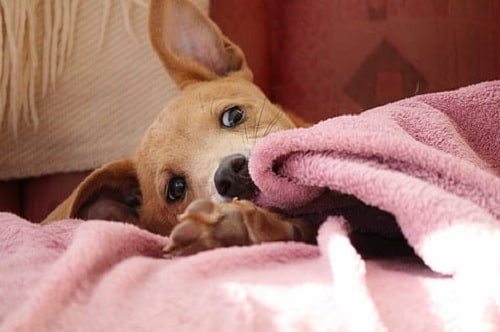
x: 217, y: 198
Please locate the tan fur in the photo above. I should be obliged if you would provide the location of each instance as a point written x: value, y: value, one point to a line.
x: 187, y: 138
x: 117, y: 175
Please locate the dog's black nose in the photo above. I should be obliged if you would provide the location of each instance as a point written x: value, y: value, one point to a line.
x: 232, y: 178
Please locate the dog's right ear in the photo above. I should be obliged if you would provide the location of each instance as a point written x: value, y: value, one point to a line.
x: 109, y: 193
x: 191, y: 46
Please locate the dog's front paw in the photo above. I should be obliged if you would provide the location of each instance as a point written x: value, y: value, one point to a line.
x: 206, y: 225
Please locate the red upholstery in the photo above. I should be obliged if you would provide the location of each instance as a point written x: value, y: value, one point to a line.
x: 34, y: 198
x: 322, y: 58
x: 42, y: 195
x: 10, y: 196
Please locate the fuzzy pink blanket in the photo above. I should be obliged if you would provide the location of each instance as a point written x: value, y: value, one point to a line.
x: 432, y: 161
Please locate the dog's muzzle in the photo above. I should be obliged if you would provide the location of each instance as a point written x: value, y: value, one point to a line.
x: 232, y: 178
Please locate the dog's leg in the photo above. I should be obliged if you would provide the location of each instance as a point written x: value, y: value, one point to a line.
x: 206, y: 225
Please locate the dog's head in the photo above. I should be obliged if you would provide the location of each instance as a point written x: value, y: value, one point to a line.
x: 199, y: 145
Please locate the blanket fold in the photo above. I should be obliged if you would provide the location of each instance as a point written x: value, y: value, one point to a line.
x: 428, y: 164
x: 432, y: 161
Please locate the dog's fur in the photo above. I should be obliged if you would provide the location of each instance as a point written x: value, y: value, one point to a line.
x: 190, y: 144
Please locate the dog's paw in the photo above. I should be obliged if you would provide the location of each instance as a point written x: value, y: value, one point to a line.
x: 206, y: 225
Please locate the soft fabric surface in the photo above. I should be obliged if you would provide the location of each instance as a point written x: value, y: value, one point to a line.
x: 431, y: 161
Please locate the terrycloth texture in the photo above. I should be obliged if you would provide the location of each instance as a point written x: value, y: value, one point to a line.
x: 104, y: 276
x: 433, y: 161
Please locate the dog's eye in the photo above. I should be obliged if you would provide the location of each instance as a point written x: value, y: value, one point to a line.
x: 176, y: 189
x: 232, y: 116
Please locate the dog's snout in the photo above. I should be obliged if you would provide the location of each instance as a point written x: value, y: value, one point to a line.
x: 232, y: 178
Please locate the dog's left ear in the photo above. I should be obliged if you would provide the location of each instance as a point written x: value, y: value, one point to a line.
x: 111, y: 192
x: 191, y: 47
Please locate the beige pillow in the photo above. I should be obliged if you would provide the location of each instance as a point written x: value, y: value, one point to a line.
x: 110, y: 88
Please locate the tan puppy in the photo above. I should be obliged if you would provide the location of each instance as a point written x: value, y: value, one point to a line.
x: 197, y: 148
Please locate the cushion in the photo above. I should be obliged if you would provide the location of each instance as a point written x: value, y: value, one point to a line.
x: 96, y: 87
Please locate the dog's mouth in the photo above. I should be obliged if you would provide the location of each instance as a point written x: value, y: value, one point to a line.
x: 232, y: 178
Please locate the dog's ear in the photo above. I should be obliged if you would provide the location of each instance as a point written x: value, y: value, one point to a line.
x: 191, y: 47
x: 109, y: 193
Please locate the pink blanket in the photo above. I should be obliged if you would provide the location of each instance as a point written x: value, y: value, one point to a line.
x: 431, y: 161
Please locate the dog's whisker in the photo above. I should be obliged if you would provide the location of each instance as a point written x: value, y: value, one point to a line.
x: 272, y: 123
x: 269, y: 127
x: 246, y: 139
x: 259, y: 118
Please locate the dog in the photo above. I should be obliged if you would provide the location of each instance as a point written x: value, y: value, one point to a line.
x: 189, y: 177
